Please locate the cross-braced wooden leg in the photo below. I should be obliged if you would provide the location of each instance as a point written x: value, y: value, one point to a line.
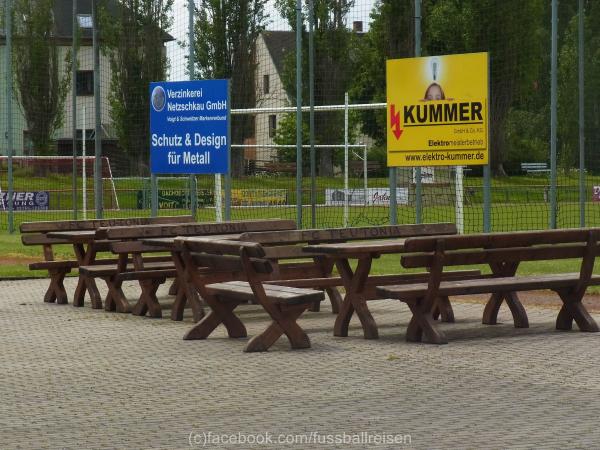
x: 115, y: 298
x: 148, y: 303
x: 285, y: 324
x: 443, y: 308
x: 220, y: 313
x: 573, y: 309
x: 174, y: 288
x: 355, y: 300
x: 56, y: 291
x: 490, y: 313
x: 422, y: 325
x: 335, y: 298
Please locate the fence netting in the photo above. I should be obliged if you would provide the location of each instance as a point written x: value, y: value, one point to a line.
x: 61, y: 97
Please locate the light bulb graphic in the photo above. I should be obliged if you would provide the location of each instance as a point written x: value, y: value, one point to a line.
x: 435, y: 68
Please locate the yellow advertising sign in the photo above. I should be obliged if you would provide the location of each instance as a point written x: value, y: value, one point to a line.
x: 437, y: 110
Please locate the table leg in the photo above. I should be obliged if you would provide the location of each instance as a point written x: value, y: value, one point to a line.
x: 86, y: 257
x: 355, y: 298
x: 186, y: 292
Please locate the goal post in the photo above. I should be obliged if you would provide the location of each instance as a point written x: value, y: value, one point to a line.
x: 54, y: 175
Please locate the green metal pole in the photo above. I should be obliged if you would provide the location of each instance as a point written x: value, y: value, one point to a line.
x: 228, y: 174
x: 191, y: 63
x: 9, y: 130
x: 74, y: 107
x: 153, y: 195
x: 418, y: 184
x: 299, y: 113
x: 582, y: 195
x: 98, y: 116
x: 553, y: 114
x: 311, y: 95
x: 487, y: 172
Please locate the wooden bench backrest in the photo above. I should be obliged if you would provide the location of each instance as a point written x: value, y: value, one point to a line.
x: 500, y: 247
x: 34, y: 233
x: 349, y: 234
x: 195, y: 229
x: 224, y: 255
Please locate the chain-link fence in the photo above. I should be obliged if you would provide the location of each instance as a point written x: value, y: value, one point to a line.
x: 74, y: 110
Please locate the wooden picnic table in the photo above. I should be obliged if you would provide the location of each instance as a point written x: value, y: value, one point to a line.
x: 356, y: 282
x: 85, y: 247
x: 186, y: 292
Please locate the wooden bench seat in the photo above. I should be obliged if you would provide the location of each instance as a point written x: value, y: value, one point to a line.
x: 53, y: 265
x: 503, y: 252
x: 284, y: 304
x: 241, y: 290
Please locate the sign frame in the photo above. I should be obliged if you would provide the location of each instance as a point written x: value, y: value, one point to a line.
x: 190, y: 127
x: 438, y: 110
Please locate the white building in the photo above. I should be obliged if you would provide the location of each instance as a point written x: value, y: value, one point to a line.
x: 84, y: 85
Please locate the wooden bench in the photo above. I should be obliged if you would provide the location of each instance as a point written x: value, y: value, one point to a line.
x: 136, y: 261
x: 35, y: 233
x: 537, y: 167
x: 358, y: 167
x: 317, y: 274
x: 296, y: 267
x: 250, y: 261
x: 503, y: 252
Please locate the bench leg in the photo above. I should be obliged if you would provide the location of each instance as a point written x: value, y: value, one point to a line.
x: 490, y: 313
x: 148, y: 303
x: 442, y: 307
x: 220, y: 313
x: 56, y: 291
x: 115, y: 298
x: 573, y: 309
x: 422, y: 325
x: 284, y: 324
x: 174, y: 288
x: 335, y: 298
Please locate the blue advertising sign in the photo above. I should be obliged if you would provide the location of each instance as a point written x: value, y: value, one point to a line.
x: 188, y: 126
x: 26, y: 200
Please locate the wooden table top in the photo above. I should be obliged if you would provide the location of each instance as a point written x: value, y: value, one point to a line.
x: 357, y: 248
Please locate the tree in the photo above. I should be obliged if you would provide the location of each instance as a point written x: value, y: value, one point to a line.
x: 333, y: 68
x: 225, y: 38
x: 390, y: 36
x: 40, y: 86
x: 511, y: 31
x: 134, y: 40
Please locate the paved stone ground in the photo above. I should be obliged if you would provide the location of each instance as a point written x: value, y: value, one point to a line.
x: 78, y: 378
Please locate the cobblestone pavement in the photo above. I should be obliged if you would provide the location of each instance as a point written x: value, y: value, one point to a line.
x: 79, y: 378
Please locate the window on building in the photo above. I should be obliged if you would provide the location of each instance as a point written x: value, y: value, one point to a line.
x: 266, y: 87
x: 85, y: 20
x: 84, y: 82
x: 272, y: 125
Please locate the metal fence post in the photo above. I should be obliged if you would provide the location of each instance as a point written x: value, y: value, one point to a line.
x: 98, y: 116
x: 581, y: 117
x: 191, y: 63
x: 553, y: 114
x: 9, y: 130
x: 228, y: 180
x: 153, y: 195
x: 487, y: 173
x: 299, y: 113
x: 418, y: 184
x: 74, y: 106
x: 311, y: 99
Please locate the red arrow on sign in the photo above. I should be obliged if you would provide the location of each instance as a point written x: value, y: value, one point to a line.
x: 395, y: 122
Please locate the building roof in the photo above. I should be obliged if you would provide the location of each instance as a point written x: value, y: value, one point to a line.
x: 63, y: 18
x: 279, y: 44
